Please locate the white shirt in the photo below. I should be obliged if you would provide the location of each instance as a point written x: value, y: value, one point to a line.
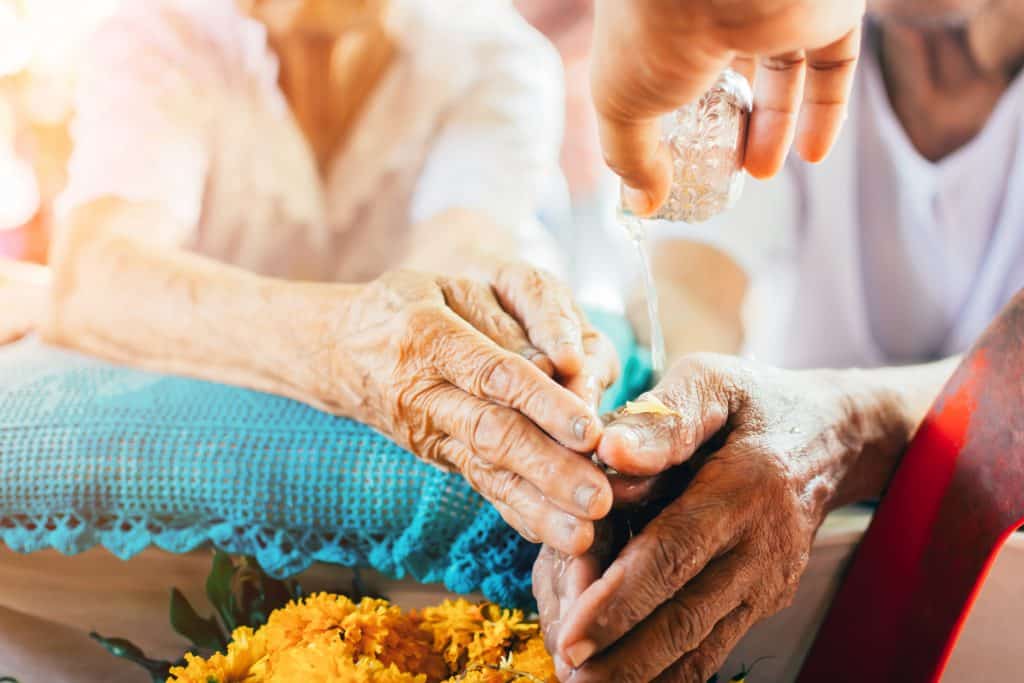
x: 878, y: 256
x: 927, y: 226
x: 178, y: 103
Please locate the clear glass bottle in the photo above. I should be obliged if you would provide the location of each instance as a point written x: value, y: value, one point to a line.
x: 706, y: 140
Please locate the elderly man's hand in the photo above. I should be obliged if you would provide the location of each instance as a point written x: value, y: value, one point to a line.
x: 730, y: 550
x: 652, y: 56
x: 559, y: 579
x: 469, y: 376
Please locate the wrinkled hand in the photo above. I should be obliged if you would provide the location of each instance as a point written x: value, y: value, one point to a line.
x: 559, y: 579
x: 558, y: 582
x: 653, y: 56
x: 729, y: 550
x: 464, y: 374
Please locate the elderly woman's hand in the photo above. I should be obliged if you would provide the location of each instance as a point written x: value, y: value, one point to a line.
x: 459, y: 372
x: 730, y: 550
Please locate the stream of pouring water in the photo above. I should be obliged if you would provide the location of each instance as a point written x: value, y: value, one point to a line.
x: 635, y: 229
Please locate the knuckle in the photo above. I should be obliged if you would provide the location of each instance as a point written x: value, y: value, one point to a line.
x: 687, y: 625
x: 504, y: 486
x: 785, y: 62
x: 494, y: 377
x: 479, y: 475
x: 702, y: 360
x: 562, y: 324
x: 508, y: 273
x: 675, y: 559
x: 699, y: 666
x: 495, y: 434
x: 537, y: 280
x: 420, y: 322
x: 832, y: 65
x: 782, y: 601
x: 409, y: 408
x: 466, y: 285
x: 431, y: 449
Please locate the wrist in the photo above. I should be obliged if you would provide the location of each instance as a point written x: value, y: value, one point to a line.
x: 307, y: 344
x: 879, y: 424
x: 883, y: 409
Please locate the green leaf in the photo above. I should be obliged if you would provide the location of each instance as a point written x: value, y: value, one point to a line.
x: 202, y: 632
x: 8, y: 679
x: 218, y: 589
x: 158, y: 669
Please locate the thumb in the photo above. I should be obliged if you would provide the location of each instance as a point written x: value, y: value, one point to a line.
x: 643, y: 68
x: 665, y: 427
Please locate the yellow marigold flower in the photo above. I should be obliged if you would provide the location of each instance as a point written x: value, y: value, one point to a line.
x: 312, y: 615
x: 241, y: 664
x: 452, y: 625
x: 329, y: 639
x: 482, y: 676
x: 329, y: 661
x: 533, y: 658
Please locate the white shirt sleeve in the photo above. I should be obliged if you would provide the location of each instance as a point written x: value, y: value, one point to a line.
x: 138, y: 130
x: 498, y: 149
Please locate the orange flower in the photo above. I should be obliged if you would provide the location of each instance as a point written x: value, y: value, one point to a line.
x: 329, y: 639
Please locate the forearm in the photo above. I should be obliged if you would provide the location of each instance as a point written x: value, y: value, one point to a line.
x: 891, y: 403
x: 120, y: 297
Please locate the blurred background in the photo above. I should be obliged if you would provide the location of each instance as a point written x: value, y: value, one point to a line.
x: 38, y: 44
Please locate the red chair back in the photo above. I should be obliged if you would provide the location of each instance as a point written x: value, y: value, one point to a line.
x: 955, y: 499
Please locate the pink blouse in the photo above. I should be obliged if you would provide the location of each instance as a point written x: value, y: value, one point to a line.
x: 178, y: 103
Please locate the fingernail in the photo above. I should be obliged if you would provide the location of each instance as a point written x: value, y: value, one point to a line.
x: 637, y: 201
x: 578, y: 653
x: 584, y: 496
x: 580, y: 426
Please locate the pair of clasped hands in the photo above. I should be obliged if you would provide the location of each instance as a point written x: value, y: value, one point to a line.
x: 664, y: 590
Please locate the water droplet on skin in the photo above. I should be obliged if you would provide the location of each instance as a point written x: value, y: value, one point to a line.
x: 561, y: 565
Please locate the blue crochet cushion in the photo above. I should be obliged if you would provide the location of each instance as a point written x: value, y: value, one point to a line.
x: 95, y: 454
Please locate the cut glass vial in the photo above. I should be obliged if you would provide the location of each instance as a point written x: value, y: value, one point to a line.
x: 706, y: 140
